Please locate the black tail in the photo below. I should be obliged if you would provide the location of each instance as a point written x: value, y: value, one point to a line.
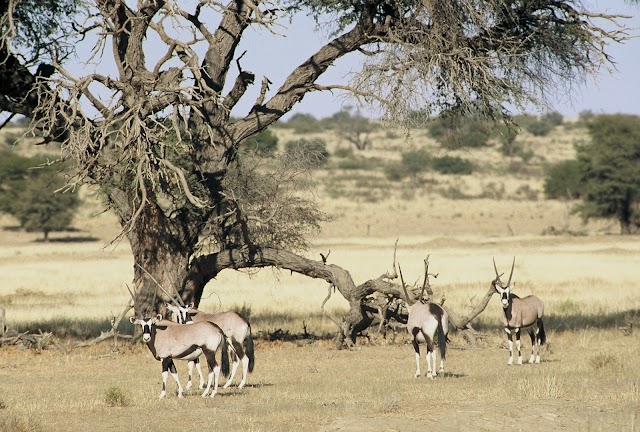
x: 442, y: 339
x: 225, y: 356
x: 541, y: 334
x: 249, y: 349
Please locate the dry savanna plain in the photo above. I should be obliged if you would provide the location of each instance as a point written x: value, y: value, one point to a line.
x: 587, y: 275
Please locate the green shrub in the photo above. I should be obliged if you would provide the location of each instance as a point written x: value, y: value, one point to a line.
x: 303, y: 124
x: 29, y: 194
x: 394, y: 171
x: 452, y: 165
x: 562, y: 180
x: 415, y: 162
x: 343, y: 152
x: 554, y: 118
x: 353, y: 163
x: 461, y: 132
x: 540, y: 128
x: 585, y: 115
x: 264, y: 143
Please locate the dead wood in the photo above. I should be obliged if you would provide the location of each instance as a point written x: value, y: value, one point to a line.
x: 37, y: 341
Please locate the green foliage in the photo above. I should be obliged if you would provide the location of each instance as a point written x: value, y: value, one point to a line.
x: 314, y: 151
x: 354, y: 163
x: 452, y: 165
x: 303, y: 123
x: 539, y: 126
x: 265, y: 143
x: 610, y: 175
x: 415, y: 162
x: 507, y: 135
x: 455, y: 131
x: 343, y: 152
x: 352, y: 127
x: 40, y: 24
x: 394, y: 171
x: 585, y: 115
x: 562, y: 180
x: 554, y: 118
x: 28, y: 193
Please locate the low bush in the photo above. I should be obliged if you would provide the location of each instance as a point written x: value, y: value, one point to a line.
x: 452, y: 165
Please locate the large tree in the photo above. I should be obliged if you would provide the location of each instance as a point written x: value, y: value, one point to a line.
x: 158, y: 139
x: 610, y: 170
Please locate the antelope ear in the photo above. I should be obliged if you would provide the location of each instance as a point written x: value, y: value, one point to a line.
x: 132, y: 320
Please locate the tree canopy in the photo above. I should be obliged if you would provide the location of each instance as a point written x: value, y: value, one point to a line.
x: 28, y: 192
x: 610, y: 174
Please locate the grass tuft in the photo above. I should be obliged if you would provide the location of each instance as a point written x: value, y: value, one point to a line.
x: 116, y: 397
x: 544, y: 386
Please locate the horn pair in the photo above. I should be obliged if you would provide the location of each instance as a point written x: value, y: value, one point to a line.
x: 510, y: 274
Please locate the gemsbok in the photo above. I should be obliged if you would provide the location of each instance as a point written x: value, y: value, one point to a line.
x: 424, y: 321
x: 234, y: 325
x: 520, y: 314
x: 168, y: 340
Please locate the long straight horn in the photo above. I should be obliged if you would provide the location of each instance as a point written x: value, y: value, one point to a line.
x: 179, y: 297
x: 410, y: 302
x: 511, y: 274
x: 426, y: 278
x: 161, y: 287
x: 133, y: 297
x: 173, y: 300
x: 496, y: 268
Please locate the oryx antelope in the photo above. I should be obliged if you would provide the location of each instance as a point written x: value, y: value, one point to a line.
x: 424, y: 321
x: 168, y: 340
x: 237, y: 329
x: 520, y: 314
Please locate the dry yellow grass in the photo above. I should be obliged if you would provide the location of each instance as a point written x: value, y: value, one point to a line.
x: 317, y: 388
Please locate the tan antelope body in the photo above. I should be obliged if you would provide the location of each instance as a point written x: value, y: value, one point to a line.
x: 425, y: 320
x: 235, y: 327
x: 520, y: 314
x: 170, y: 341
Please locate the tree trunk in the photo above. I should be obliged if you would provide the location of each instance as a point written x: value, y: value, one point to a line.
x: 161, y: 251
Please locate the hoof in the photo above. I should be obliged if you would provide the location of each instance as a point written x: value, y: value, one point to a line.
x: 212, y: 395
x: 226, y: 385
x: 188, y: 386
